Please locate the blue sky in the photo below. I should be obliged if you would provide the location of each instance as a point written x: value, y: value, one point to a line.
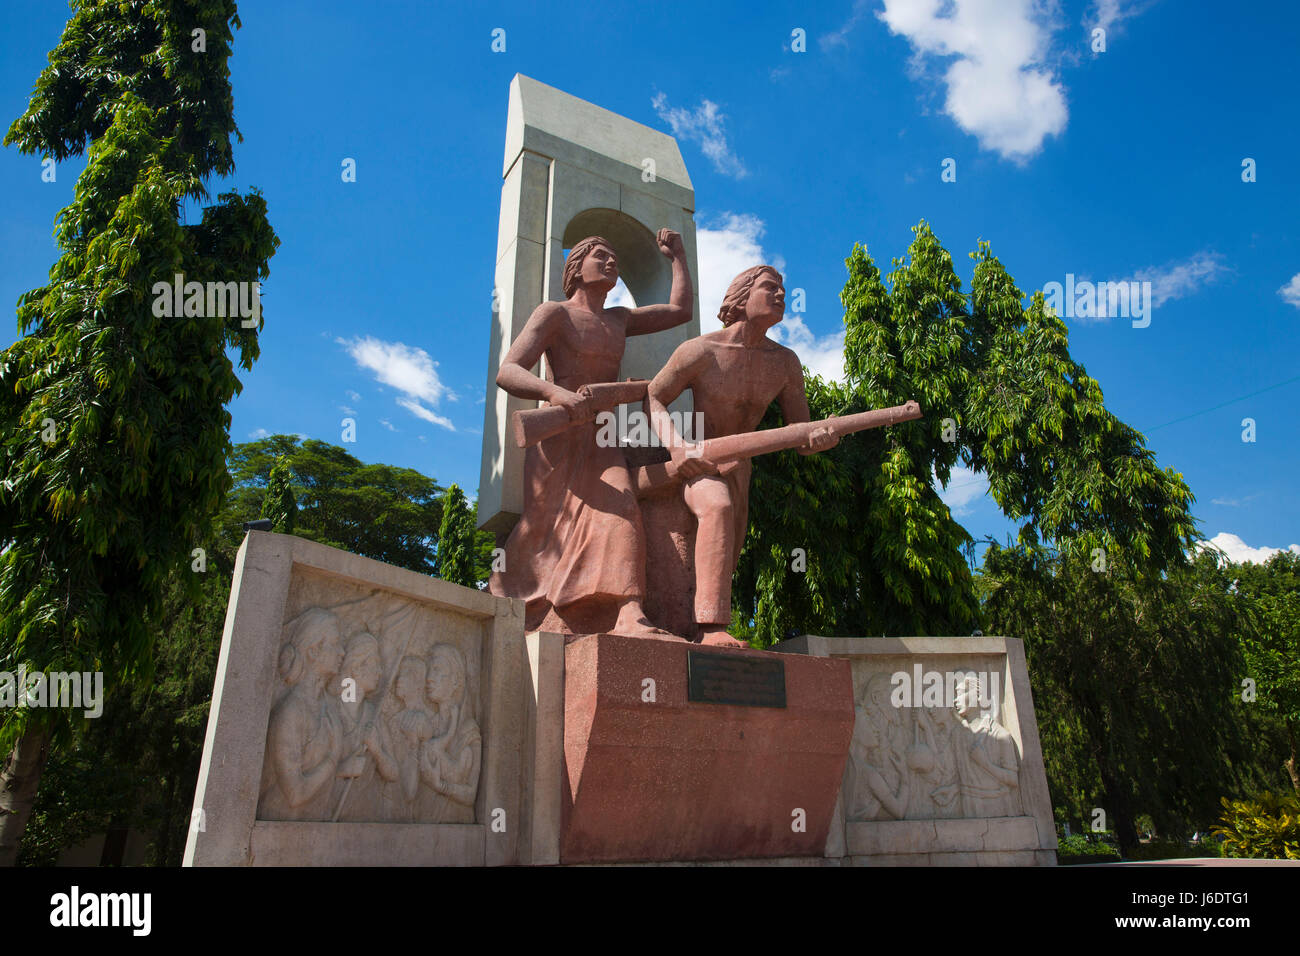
x: 1109, y: 166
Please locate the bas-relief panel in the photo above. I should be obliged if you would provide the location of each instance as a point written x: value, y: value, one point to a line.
x: 951, y: 759
x: 375, y: 716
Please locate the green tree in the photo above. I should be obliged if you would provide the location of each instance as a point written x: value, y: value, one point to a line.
x: 112, y: 417
x: 380, y: 511
x: 1136, y: 684
x: 279, y: 503
x: 457, y: 540
x: 1272, y: 643
x: 1001, y: 395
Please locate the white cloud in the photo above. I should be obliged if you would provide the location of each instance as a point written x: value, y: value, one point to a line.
x: 965, y: 486
x: 258, y: 434
x: 1233, y: 502
x: 823, y: 356
x: 415, y: 408
x: 387, y: 424
x: 840, y: 37
x: 998, y: 89
x: 353, y: 396
x: 1178, y: 279
x: 1290, y: 292
x: 727, y: 249
x: 1238, y: 551
x: 405, y: 368
x: 408, y: 369
x: 1108, y: 13
x: 704, y: 125
x: 347, y: 410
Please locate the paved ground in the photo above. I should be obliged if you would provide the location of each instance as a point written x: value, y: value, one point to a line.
x: 1202, y: 861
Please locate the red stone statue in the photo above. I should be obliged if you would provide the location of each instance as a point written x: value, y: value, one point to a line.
x: 734, y: 375
x: 577, y: 555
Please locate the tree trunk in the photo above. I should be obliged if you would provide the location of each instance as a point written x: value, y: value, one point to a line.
x: 114, y: 845
x: 19, y: 777
x: 1293, y: 765
x: 1119, y: 813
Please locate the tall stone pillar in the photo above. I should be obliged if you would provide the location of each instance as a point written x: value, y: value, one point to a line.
x: 574, y: 170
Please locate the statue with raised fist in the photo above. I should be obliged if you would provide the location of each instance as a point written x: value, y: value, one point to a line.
x: 577, y: 555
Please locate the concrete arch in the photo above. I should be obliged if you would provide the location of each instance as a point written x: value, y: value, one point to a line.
x: 642, y: 267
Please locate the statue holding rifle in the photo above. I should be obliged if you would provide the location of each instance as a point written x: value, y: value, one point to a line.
x: 734, y: 375
x: 577, y: 555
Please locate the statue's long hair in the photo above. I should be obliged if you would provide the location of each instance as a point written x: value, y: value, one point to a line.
x: 733, y: 303
x: 573, y: 265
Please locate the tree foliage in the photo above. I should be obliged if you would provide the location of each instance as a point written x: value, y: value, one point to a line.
x: 1272, y: 643
x: 1001, y: 396
x: 1136, y: 682
x: 380, y: 511
x: 112, y: 418
x: 456, y: 540
x: 279, y: 504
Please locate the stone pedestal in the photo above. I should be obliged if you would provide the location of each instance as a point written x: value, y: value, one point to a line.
x: 652, y: 775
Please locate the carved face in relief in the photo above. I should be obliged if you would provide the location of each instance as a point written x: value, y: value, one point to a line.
x: 446, y: 679
x: 410, y: 682
x: 362, y: 663
x: 325, y: 648
x: 966, y: 697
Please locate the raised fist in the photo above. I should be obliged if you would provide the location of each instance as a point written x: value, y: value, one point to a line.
x: 670, y: 243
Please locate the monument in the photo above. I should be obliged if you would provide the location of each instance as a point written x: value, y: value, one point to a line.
x: 577, y: 556
x: 593, y: 707
x: 573, y: 170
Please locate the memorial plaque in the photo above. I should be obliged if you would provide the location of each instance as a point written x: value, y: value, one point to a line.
x: 728, y: 679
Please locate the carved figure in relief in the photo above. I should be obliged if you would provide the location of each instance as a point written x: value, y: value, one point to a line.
x: 359, y: 710
x: 932, y: 759
x: 411, y: 727
x: 305, y: 739
x: 882, y: 785
x: 988, y: 763
x: 450, y: 761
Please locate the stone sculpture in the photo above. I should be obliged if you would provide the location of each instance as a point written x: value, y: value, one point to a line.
x: 734, y: 375
x: 577, y: 555
x: 306, y: 736
x: 987, y: 762
x: 921, y: 763
x: 348, y: 741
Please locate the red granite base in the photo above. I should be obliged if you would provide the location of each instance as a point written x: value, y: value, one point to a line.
x: 675, y: 779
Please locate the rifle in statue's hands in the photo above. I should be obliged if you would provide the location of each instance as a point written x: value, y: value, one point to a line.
x: 538, y: 424
x: 733, y: 448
